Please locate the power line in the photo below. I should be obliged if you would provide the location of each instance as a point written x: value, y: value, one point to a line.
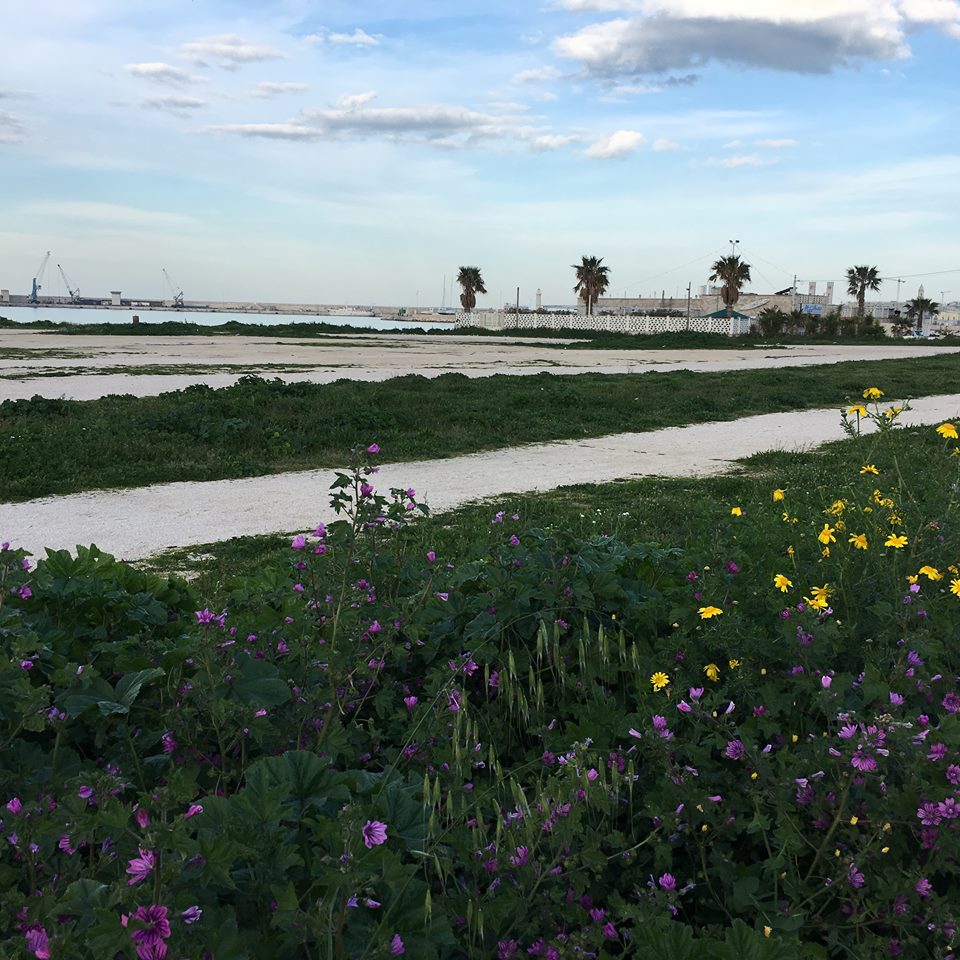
x: 911, y: 276
x: 706, y: 256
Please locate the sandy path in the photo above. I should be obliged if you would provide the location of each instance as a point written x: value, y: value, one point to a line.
x: 140, y: 522
x: 368, y: 357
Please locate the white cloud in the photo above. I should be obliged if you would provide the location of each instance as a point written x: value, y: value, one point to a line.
x: 550, y: 142
x: 359, y: 38
x: 228, y: 50
x: 11, y: 129
x: 356, y: 100
x: 662, y: 145
x: 439, y: 125
x: 536, y: 75
x: 180, y: 106
x: 781, y: 144
x: 110, y: 213
x: 813, y: 36
x: 271, y: 88
x: 740, y: 160
x: 160, y: 73
x: 618, y: 144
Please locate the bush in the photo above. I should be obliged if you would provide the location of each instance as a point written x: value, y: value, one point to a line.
x: 553, y: 747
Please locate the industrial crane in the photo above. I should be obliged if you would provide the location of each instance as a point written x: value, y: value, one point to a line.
x: 74, y: 292
x: 38, y: 279
x: 177, y: 294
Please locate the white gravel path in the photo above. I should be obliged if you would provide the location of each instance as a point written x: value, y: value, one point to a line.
x: 140, y: 522
x: 369, y: 357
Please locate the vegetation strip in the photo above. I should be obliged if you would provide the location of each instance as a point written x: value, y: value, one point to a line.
x: 740, y: 742
x: 258, y: 427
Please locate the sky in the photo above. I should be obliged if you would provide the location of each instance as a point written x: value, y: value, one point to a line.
x: 360, y: 152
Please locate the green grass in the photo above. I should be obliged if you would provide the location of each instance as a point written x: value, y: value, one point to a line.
x: 258, y: 427
x: 684, y: 512
x: 582, y: 339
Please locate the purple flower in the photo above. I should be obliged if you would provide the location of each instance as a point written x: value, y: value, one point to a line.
x: 156, y: 928
x: 299, y: 542
x: 431, y: 556
x: 141, y: 867
x: 514, y: 540
x: 734, y: 750
x: 410, y: 702
x: 14, y: 805
x: 520, y: 858
x: 374, y: 448
x: 855, y: 878
x: 896, y: 699
x: 684, y: 707
x: 863, y: 762
x: 951, y: 703
x: 396, y: 946
x: 953, y: 774
x: 191, y: 915
x: 923, y: 887
x: 847, y: 731
x: 937, y: 751
x: 609, y: 931
x: 193, y: 810
x: 25, y: 593
x: 374, y: 833
x: 38, y: 942
x: 668, y: 882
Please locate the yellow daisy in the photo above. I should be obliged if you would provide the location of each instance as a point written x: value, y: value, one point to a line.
x: 712, y: 671
x: 659, y: 681
x: 782, y: 583
x: 777, y: 495
x: 931, y: 573
x: 707, y: 612
x: 825, y: 536
x: 948, y: 431
x: 872, y: 393
x: 859, y: 541
x: 896, y: 542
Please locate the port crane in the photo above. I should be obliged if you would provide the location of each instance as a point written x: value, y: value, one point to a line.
x: 177, y: 294
x: 73, y: 291
x: 38, y: 279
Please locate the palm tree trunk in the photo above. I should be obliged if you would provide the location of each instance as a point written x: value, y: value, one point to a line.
x: 861, y: 302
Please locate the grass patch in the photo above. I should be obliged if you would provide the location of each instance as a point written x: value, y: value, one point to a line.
x: 258, y: 427
x: 675, y: 511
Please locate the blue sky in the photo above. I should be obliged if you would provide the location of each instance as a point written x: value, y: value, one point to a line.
x: 358, y: 152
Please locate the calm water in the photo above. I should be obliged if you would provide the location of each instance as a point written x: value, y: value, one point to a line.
x: 105, y: 315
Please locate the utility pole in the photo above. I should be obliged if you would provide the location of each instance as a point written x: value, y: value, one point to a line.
x: 793, y: 295
x: 896, y: 311
x: 689, y: 287
x: 518, y: 306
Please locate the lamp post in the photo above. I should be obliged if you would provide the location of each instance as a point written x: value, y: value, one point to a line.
x: 733, y: 247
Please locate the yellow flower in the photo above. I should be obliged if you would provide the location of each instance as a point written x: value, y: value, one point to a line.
x: 707, y: 612
x: 790, y: 550
x: 825, y: 552
x: 931, y: 573
x: 948, y: 431
x: 817, y: 603
x: 733, y: 664
x: 893, y: 412
x: 859, y: 541
x: 854, y: 820
x: 777, y: 495
x: 896, y: 542
x: 782, y: 583
x: 870, y: 468
x: 859, y: 409
x: 955, y: 587
x: 736, y: 512
x: 712, y: 671
x: 767, y: 931
x: 836, y: 508
x: 659, y: 681
x: 911, y: 579
x: 825, y: 536
x: 872, y: 393
x: 823, y: 591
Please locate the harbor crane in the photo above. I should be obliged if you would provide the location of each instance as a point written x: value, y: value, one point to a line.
x: 73, y: 291
x: 177, y: 294
x: 38, y: 279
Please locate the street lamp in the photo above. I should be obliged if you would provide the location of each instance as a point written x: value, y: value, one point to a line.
x: 733, y: 247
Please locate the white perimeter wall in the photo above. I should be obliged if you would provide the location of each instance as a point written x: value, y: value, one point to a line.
x: 619, y: 324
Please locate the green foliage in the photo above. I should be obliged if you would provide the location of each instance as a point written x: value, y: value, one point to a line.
x: 547, y: 743
x: 258, y: 426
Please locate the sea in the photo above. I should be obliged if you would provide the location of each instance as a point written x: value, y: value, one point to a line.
x: 83, y: 315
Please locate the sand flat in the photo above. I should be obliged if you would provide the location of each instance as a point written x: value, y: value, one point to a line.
x: 369, y: 357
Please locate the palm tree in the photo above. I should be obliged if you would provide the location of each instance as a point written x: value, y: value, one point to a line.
x: 859, y: 281
x: 733, y: 273
x: 920, y: 307
x: 469, y: 278
x: 592, y: 280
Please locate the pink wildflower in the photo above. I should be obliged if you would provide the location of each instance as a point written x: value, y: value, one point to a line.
x: 374, y: 833
x: 141, y: 867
